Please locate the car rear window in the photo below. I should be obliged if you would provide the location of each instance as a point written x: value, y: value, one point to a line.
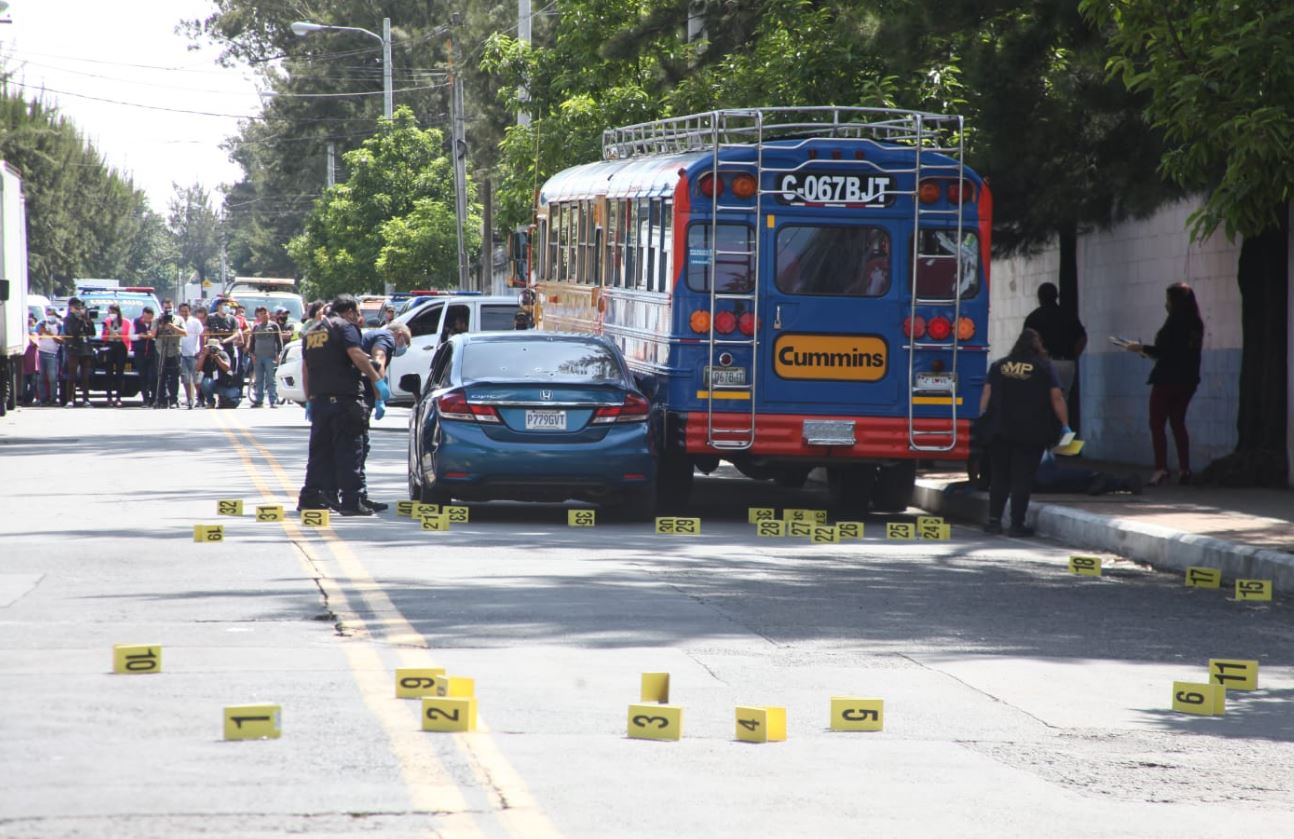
x: 497, y: 318
x: 567, y: 361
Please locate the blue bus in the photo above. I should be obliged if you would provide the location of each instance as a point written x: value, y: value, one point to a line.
x: 793, y: 287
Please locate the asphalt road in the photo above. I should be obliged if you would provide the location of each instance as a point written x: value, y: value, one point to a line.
x: 1020, y: 700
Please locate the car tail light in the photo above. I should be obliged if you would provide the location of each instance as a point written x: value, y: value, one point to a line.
x: 746, y: 323
x: 914, y: 327
x: 965, y: 329
x: 454, y: 406
x: 963, y: 192
x: 940, y: 328
x: 743, y: 186
x: 928, y: 192
x: 725, y: 323
x: 635, y: 408
x: 707, y: 184
x: 699, y: 321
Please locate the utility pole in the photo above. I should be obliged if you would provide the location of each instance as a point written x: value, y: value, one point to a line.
x: 458, y: 145
x: 387, y: 95
x: 523, y: 35
x: 332, y: 164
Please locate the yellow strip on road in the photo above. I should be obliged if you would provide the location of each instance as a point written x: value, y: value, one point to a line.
x: 515, y: 807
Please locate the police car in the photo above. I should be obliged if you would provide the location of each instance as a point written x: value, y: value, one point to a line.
x: 132, y: 300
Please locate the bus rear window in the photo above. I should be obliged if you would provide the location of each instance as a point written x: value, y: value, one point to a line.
x: 937, y: 267
x: 732, y: 262
x: 852, y: 261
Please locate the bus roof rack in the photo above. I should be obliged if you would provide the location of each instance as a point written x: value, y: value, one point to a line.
x: 750, y: 126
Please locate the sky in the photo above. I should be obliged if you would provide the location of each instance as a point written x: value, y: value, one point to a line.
x: 127, y: 52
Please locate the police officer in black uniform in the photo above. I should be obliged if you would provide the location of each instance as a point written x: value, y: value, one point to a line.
x: 1026, y: 415
x: 332, y: 373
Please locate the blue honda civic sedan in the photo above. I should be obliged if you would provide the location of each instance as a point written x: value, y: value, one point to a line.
x: 532, y: 416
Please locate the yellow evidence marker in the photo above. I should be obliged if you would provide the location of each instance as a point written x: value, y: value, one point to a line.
x: 457, y: 515
x: 850, y: 529
x: 1234, y: 673
x: 900, y: 530
x: 315, y: 518
x: 135, y: 659
x: 581, y: 518
x: 438, y: 522
x: 760, y: 723
x: 940, y: 532
x: 929, y: 521
x: 417, y: 682
x: 755, y: 515
x: 1086, y: 566
x: 678, y: 525
x: 855, y: 713
x: 456, y: 713
x: 1206, y: 700
x: 208, y: 533
x: 405, y: 508
x: 815, y: 516
x: 803, y: 529
x: 269, y: 512
x: 420, y: 510
x: 655, y: 688
x: 1253, y: 590
x: 253, y: 722
x: 824, y: 535
x: 455, y: 686
x: 230, y: 507
x: 1199, y: 576
x: 770, y: 527
x: 655, y: 722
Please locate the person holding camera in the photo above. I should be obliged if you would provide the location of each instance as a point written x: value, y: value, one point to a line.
x: 220, y: 385
x: 168, y: 332
x: 78, y: 330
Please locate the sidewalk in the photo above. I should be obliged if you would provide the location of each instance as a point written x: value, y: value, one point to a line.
x: 1248, y: 533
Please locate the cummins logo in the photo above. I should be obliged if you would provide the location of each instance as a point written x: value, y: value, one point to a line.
x: 854, y: 358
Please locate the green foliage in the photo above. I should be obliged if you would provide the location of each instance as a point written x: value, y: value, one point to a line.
x: 84, y: 218
x: 197, y: 231
x: 392, y: 221
x: 1219, y: 82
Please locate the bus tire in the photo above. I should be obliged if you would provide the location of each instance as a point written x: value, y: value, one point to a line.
x: 850, y: 488
x: 673, y: 482
x: 892, y: 491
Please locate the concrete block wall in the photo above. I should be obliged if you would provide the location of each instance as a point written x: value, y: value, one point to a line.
x: 1122, y: 276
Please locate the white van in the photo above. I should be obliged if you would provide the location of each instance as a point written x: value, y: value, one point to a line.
x: 433, y: 322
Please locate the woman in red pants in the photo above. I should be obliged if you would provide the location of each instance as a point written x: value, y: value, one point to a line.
x: 1174, y: 378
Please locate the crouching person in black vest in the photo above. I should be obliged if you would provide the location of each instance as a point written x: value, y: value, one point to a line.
x: 332, y: 373
x: 1026, y: 415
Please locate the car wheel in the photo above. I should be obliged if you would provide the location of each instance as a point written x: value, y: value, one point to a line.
x: 674, y: 482
x: 892, y: 492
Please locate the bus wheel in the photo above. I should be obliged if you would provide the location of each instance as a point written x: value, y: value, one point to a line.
x: 850, y: 488
x: 892, y: 492
x: 673, y: 482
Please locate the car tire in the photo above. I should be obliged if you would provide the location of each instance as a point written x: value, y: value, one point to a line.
x: 892, y: 491
x: 850, y: 489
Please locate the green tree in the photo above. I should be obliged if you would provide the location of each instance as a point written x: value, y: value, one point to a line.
x: 391, y: 221
x: 197, y: 230
x: 1219, y: 78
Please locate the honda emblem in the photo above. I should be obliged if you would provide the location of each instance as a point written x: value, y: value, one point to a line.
x: 546, y: 395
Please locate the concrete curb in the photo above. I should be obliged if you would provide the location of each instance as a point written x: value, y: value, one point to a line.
x: 1160, y: 547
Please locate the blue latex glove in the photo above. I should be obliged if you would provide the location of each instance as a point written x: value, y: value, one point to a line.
x: 379, y: 409
x: 383, y: 391
x: 308, y: 412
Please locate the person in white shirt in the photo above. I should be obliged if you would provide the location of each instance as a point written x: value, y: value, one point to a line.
x: 190, y: 344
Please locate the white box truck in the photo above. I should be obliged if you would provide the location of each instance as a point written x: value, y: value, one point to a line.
x: 13, y: 285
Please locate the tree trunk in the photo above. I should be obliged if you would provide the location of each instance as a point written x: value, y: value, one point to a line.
x: 1260, y: 457
x: 1067, y: 283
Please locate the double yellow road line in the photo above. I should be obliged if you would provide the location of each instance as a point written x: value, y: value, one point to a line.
x: 431, y: 788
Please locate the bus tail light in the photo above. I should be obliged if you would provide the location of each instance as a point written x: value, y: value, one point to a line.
x: 708, y: 184
x: 454, y: 406
x: 928, y: 192
x: 914, y: 327
x: 961, y: 192
x: 940, y: 328
x: 699, y: 321
x: 725, y: 323
x: 746, y: 323
x: 635, y: 408
x: 965, y: 329
x: 744, y: 186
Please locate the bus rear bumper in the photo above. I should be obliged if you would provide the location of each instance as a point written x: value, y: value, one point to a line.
x: 875, y: 438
